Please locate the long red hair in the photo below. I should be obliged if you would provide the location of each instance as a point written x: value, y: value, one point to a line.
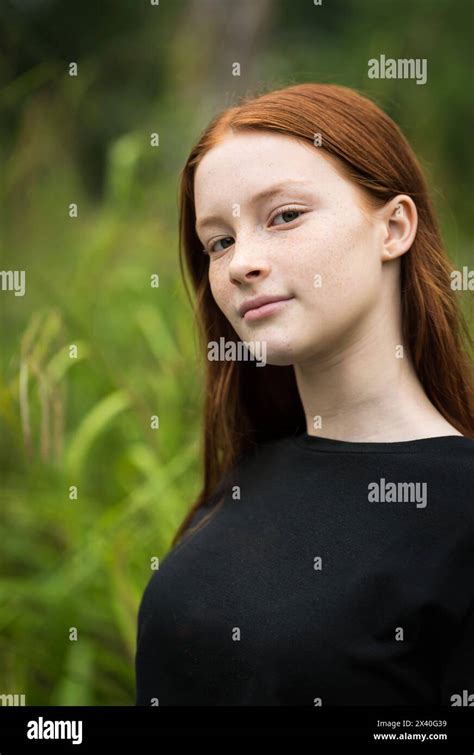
x: 245, y: 403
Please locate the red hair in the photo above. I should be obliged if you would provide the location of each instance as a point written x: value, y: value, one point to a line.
x: 245, y: 404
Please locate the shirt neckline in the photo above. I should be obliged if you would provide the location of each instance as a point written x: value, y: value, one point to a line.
x: 319, y: 443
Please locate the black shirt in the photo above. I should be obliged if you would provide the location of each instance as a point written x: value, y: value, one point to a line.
x: 334, y: 573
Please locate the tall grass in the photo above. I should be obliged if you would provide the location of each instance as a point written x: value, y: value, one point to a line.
x: 91, y: 353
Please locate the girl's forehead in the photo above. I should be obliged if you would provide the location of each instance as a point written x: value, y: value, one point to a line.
x: 250, y: 164
x: 264, y: 144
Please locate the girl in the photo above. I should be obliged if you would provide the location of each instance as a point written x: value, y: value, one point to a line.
x: 329, y: 559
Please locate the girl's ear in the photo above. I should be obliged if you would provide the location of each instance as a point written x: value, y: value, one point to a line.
x: 400, y: 219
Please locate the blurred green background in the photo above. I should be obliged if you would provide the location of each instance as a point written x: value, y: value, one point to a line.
x: 86, y: 421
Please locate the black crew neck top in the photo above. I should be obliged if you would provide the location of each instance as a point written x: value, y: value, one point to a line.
x: 331, y: 573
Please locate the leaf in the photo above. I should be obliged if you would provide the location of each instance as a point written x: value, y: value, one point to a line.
x: 95, y: 422
x: 80, y: 663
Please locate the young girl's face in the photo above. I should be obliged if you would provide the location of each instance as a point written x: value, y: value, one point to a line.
x: 307, y: 238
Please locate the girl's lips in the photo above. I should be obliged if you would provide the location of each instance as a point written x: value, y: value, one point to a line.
x: 265, y: 310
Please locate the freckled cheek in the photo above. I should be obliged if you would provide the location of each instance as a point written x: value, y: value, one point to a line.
x: 216, y: 288
x: 221, y: 286
x: 353, y: 282
x: 320, y: 261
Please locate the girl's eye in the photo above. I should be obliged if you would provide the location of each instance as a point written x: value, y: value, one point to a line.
x: 219, y: 241
x: 288, y: 215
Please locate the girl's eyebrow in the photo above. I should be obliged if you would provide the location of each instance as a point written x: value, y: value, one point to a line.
x: 264, y: 194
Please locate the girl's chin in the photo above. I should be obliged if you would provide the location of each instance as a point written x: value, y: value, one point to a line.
x: 271, y: 344
x: 279, y: 357
x: 281, y: 362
